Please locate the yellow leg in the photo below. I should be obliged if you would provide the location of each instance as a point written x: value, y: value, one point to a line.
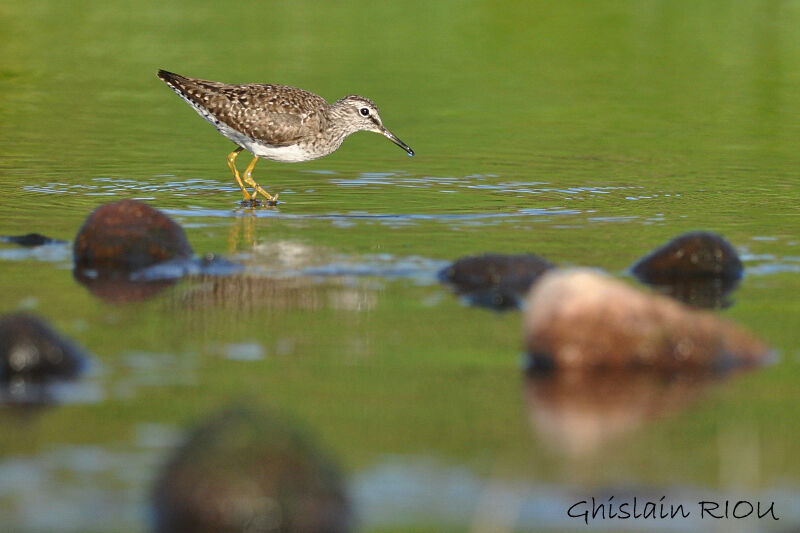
x: 248, y: 178
x: 232, y: 166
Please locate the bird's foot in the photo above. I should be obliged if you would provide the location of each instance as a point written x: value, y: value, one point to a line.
x: 258, y: 189
x: 253, y: 201
x: 250, y: 202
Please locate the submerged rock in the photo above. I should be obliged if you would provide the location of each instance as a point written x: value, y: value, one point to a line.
x: 699, y: 268
x: 495, y: 280
x: 30, y: 239
x: 247, y: 471
x: 30, y: 349
x: 580, y: 319
x: 127, y: 236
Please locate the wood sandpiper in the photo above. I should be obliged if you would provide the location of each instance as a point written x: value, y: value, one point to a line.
x: 277, y: 122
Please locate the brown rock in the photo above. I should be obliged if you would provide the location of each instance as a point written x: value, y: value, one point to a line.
x: 699, y: 254
x: 247, y: 471
x: 581, y: 319
x: 698, y: 268
x: 127, y: 236
x: 495, y: 280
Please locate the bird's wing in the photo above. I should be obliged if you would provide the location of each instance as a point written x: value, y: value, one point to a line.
x: 273, y: 114
x: 276, y: 115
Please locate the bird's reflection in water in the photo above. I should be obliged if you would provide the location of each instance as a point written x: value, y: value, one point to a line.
x: 242, y: 235
x: 269, y: 256
x: 244, y: 292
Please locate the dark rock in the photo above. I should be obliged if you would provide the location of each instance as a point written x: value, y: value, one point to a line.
x: 699, y: 268
x: 246, y: 471
x: 127, y: 236
x: 580, y: 319
x: 30, y: 239
x: 495, y: 280
x: 695, y: 254
x: 31, y: 350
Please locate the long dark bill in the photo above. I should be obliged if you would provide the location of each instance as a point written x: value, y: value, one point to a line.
x: 392, y: 137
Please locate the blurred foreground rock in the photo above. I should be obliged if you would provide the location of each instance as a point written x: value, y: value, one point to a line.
x: 29, y: 348
x: 32, y: 355
x: 699, y: 268
x: 580, y: 319
x: 127, y: 236
x: 243, y: 471
x: 495, y: 280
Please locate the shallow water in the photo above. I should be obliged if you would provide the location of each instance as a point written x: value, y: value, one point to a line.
x: 586, y: 133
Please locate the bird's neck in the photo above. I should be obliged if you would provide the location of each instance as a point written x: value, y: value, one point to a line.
x: 340, y: 120
x: 338, y: 128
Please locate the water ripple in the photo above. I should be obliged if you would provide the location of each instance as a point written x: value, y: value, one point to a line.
x: 377, y: 217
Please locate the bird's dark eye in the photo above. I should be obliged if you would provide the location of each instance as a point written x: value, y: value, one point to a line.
x: 364, y: 112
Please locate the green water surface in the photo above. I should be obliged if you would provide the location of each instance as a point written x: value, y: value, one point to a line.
x: 586, y: 132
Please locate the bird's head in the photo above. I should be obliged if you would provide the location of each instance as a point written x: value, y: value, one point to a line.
x: 361, y: 114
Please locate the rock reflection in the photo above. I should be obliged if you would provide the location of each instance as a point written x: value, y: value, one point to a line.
x: 121, y: 289
x: 703, y: 293
x: 578, y: 412
x: 247, y: 471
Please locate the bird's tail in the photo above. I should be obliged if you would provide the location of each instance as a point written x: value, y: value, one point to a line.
x: 170, y: 78
x: 180, y: 84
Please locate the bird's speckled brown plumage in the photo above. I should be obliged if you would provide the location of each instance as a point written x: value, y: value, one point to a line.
x: 277, y: 115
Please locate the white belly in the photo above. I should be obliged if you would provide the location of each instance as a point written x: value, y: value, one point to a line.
x: 285, y: 154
